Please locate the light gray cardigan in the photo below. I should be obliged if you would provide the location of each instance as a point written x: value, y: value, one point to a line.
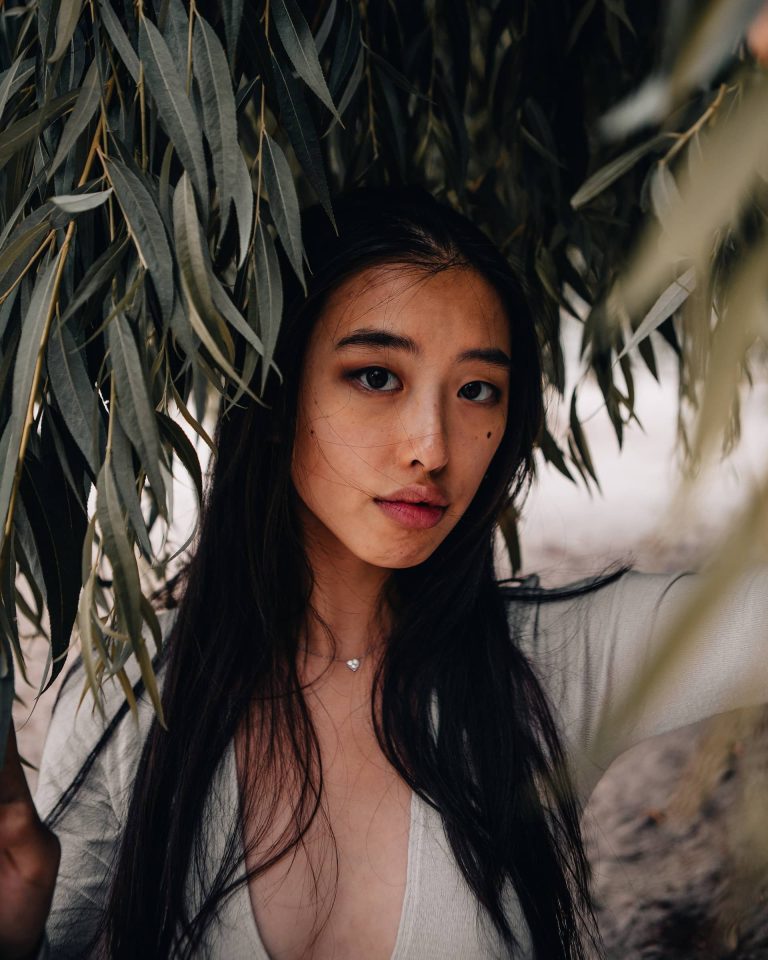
x: 586, y: 651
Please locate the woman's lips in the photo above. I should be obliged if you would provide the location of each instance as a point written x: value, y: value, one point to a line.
x: 418, y: 516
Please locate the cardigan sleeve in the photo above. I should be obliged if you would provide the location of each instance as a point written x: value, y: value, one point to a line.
x: 90, y: 825
x: 589, y: 650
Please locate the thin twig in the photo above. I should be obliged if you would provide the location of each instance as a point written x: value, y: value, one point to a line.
x: 683, y: 138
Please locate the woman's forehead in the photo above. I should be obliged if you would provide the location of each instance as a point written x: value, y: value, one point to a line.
x: 423, y: 304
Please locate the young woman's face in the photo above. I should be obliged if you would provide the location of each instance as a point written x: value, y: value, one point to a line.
x: 402, y: 405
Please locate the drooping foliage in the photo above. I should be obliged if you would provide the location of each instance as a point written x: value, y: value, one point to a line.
x: 153, y: 154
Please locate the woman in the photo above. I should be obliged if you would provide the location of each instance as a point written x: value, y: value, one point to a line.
x: 368, y: 736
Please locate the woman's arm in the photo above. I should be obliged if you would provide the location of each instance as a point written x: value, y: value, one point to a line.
x: 89, y: 826
x: 589, y: 652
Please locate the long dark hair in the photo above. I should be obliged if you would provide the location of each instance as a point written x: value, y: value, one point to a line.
x: 493, y: 766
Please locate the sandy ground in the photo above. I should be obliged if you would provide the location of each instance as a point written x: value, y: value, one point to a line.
x: 671, y: 875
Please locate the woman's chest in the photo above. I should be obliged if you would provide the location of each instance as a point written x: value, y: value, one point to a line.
x: 340, y: 892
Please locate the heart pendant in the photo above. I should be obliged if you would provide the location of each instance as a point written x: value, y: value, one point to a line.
x: 353, y: 664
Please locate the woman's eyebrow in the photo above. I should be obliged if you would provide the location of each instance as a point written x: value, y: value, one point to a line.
x: 377, y: 338
x: 383, y: 338
x: 488, y: 355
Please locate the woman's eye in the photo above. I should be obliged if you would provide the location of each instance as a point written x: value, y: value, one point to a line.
x: 479, y: 390
x: 377, y: 378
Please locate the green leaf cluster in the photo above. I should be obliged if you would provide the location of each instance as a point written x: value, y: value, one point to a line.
x: 153, y: 157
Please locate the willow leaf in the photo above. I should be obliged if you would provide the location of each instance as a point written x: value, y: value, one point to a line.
x: 267, y: 298
x: 299, y: 44
x: 580, y: 441
x: 218, y: 103
x: 173, y: 104
x: 324, y: 30
x: 672, y: 299
x: 184, y: 450
x: 120, y: 39
x: 85, y: 107
x: 134, y: 408
x: 34, y: 322
x: 243, y: 197
x: 74, y: 392
x: 125, y: 476
x: 19, y: 247
x: 13, y: 78
x: 594, y: 185
x: 283, y: 202
x: 232, y: 14
x: 146, y: 225
x: 187, y: 232
x: 66, y: 22
x: 353, y: 83
x: 346, y: 48
x: 28, y: 128
x: 118, y: 550
x: 297, y: 122
x: 81, y: 202
x: 58, y: 525
x: 97, y: 278
x: 176, y: 33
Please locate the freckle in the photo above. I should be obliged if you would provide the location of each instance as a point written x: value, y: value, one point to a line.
x: 488, y: 434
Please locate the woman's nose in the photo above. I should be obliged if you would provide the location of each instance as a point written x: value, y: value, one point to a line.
x: 426, y: 435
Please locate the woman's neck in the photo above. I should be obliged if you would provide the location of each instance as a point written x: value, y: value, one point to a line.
x: 345, y: 598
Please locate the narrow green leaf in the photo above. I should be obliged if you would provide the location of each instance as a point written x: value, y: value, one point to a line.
x: 78, y: 120
x: 176, y: 33
x: 28, y: 128
x: 74, y: 392
x: 283, y: 202
x: 33, y: 324
x: 66, y: 22
x: 146, y: 226
x: 346, y: 48
x: 173, y: 104
x: 120, y: 39
x: 97, y: 277
x: 605, y: 176
x: 267, y: 303
x: 13, y: 78
x: 118, y: 550
x: 218, y: 103
x: 58, y: 524
x: 134, y: 408
x: 184, y: 450
x: 580, y: 440
x: 324, y: 30
x: 232, y: 14
x: 80, y: 202
x: 19, y: 247
x: 553, y: 454
x: 125, y: 475
x: 672, y: 299
x: 24, y: 535
x: 353, y: 83
x: 194, y: 277
x: 297, y: 122
x: 243, y: 197
x: 299, y: 44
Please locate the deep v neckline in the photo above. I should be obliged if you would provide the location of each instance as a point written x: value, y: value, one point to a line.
x: 415, y: 832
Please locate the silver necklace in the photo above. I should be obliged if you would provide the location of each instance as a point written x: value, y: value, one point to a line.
x: 353, y: 663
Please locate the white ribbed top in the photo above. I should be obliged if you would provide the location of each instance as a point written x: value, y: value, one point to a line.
x: 586, y: 651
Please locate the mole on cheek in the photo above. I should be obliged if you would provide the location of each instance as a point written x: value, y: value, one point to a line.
x: 488, y: 434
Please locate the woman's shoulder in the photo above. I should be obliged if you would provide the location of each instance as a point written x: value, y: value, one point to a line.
x: 106, y: 733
